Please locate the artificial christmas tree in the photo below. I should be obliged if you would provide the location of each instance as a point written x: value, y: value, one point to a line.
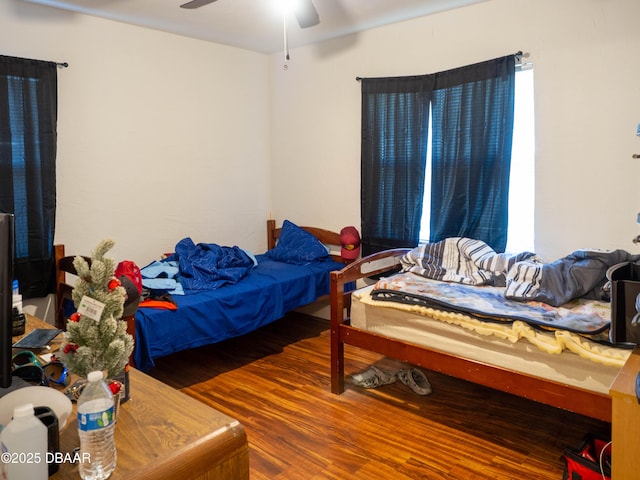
x: 96, y: 336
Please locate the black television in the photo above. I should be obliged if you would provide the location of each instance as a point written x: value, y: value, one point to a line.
x: 7, y: 246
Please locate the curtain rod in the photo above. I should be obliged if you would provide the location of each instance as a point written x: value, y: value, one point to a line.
x: 519, y: 55
x: 62, y: 65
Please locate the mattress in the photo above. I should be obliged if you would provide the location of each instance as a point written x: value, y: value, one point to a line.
x: 594, y: 368
x: 270, y: 290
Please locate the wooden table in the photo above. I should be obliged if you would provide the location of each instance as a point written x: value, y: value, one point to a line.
x: 162, y: 433
x: 625, y: 424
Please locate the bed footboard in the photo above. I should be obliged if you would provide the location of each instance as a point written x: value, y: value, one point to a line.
x: 375, y: 264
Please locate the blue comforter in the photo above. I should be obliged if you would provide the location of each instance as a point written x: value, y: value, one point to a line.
x: 207, y: 266
x: 195, y: 268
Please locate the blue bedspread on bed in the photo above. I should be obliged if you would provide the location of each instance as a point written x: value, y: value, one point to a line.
x: 270, y: 290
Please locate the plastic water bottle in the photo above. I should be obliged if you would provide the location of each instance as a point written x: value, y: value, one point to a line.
x: 24, y: 446
x: 17, y: 298
x: 95, y: 429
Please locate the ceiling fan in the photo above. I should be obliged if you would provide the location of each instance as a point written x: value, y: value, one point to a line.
x: 304, y: 11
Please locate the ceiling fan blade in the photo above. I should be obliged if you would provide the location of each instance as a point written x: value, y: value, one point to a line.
x: 306, y: 14
x: 196, y: 3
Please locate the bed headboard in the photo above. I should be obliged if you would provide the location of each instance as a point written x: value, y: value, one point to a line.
x: 326, y: 237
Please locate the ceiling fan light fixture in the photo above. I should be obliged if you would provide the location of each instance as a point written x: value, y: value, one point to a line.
x: 304, y: 10
x: 306, y: 13
x: 196, y: 4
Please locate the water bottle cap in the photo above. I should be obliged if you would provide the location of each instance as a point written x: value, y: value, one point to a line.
x: 24, y: 410
x: 95, y: 376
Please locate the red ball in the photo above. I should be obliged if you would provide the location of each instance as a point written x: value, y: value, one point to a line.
x: 113, y: 284
x: 114, y: 387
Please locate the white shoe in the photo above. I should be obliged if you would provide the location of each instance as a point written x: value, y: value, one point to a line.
x: 415, y: 380
x: 374, y: 377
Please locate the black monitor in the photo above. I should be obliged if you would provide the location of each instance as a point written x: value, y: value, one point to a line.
x: 7, y: 246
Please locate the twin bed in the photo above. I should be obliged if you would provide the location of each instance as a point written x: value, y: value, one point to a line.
x: 559, y: 368
x: 292, y: 273
x: 293, y: 277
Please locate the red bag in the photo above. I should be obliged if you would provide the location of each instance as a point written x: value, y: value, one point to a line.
x: 131, y: 271
x: 591, y: 460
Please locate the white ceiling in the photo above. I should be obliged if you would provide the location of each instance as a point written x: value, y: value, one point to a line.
x: 257, y: 24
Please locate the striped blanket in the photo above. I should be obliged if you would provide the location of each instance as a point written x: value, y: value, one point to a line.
x: 582, y: 274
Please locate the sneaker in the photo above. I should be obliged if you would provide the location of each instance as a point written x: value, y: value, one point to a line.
x: 374, y: 377
x: 416, y: 380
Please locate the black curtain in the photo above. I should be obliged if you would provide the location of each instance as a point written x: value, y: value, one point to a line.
x: 472, y: 133
x: 395, y: 119
x: 28, y: 119
x: 472, y: 130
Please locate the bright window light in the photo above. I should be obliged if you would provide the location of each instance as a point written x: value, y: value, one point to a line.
x: 520, y: 234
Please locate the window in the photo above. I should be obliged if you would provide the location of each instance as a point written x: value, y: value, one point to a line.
x: 472, y: 109
x: 520, y: 236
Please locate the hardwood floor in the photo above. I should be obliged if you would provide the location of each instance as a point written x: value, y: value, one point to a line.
x: 276, y: 383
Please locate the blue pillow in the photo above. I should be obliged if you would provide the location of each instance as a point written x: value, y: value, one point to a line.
x: 297, y: 246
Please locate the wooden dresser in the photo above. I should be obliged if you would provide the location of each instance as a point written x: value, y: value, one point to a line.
x: 161, y: 433
x: 625, y: 424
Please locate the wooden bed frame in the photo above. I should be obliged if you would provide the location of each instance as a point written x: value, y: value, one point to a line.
x: 584, y: 402
x: 64, y: 266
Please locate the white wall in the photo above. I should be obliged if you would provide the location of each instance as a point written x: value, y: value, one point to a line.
x: 159, y: 136
x: 587, y: 98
